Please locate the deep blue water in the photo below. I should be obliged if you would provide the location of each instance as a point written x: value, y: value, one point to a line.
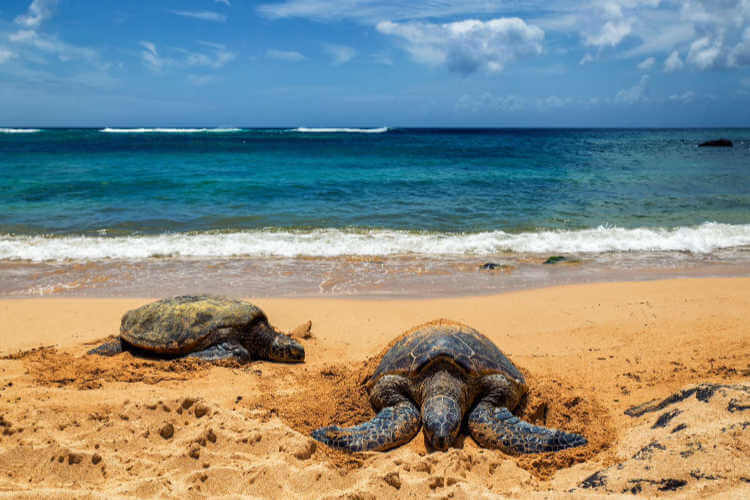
x: 88, y: 182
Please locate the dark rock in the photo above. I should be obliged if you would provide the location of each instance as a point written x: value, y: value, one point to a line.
x: 665, y: 418
x: 679, y: 428
x: 595, y: 480
x: 672, y: 484
x: 555, y: 259
x: 489, y: 266
x: 96, y: 458
x: 716, y: 143
x: 167, y: 431
x: 735, y: 405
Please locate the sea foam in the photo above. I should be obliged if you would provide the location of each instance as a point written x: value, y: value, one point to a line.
x: 702, y: 239
x: 345, y: 130
x: 19, y: 130
x: 167, y: 130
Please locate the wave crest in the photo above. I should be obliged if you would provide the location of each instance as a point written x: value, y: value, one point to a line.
x: 702, y: 239
x: 19, y: 130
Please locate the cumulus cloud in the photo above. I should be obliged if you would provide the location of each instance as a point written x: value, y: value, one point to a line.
x: 203, y: 15
x: 339, y: 54
x: 285, y: 55
x: 673, y: 62
x: 38, y: 12
x: 634, y: 94
x: 612, y: 33
x: 467, y: 46
x: 647, y: 64
x: 704, y: 53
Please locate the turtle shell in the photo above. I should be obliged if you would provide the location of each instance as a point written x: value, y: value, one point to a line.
x: 473, y: 353
x: 177, y: 325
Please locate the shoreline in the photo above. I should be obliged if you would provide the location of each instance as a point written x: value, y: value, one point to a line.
x: 591, y: 353
x: 387, y: 278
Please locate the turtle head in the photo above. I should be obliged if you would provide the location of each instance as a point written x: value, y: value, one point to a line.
x: 441, y: 417
x: 443, y: 402
x: 285, y: 349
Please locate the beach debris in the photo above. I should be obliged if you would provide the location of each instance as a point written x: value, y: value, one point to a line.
x: 427, y: 378
x: 716, y: 143
x: 207, y: 327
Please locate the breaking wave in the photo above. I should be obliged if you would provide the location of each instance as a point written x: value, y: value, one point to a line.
x: 19, y: 130
x: 702, y: 239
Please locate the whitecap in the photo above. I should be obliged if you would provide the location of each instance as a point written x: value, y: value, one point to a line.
x: 702, y: 239
x: 19, y: 130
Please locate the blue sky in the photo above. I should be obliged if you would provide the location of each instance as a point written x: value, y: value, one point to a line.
x: 374, y: 63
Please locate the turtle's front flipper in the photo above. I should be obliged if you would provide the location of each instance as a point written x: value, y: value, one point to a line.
x: 223, y: 350
x: 494, y: 427
x: 391, y: 427
x: 108, y: 348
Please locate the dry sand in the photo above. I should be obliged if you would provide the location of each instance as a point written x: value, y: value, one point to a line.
x: 674, y: 355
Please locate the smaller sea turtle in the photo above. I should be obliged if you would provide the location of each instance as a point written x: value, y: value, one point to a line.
x: 205, y: 327
x: 447, y: 370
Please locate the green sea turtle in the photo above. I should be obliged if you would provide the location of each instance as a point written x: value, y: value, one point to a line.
x: 205, y: 327
x: 449, y: 370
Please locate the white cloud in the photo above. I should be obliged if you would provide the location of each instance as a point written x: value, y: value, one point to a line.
x: 634, y: 94
x: 47, y: 44
x: 588, y: 58
x: 553, y: 102
x: 216, y: 57
x: 467, y: 46
x: 225, y: 2
x: 151, y: 57
x: 285, y: 55
x: 340, y: 54
x: 647, y: 64
x: 740, y: 54
x: 612, y: 33
x: 685, y: 97
x: 5, y: 55
x: 704, y: 53
x: 38, y: 12
x: 203, y: 15
x: 673, y: 62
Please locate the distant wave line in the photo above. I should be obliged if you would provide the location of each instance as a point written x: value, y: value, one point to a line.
x: 19, y: 130
x: 328, y: 130
x: 167, y: 130
x: 702, y: 239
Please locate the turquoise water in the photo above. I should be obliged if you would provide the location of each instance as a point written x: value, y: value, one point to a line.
x: 88, y: 193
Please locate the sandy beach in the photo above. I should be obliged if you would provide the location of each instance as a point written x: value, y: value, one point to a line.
x: 654, y: 374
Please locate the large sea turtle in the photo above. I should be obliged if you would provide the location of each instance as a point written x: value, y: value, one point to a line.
x: 205, y: 327
x: 447, y: 370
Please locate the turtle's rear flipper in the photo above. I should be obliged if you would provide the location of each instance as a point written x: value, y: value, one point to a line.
x: 393, y: 426
x: 108, y: 348
x: 224, y: 350
x: 494, y: 427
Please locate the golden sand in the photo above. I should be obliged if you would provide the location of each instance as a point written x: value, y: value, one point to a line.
x: 79, y: 426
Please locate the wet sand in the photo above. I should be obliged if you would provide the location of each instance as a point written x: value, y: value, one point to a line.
x: 655, y: 374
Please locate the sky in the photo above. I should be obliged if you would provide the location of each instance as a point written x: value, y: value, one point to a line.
x: 424, y: 63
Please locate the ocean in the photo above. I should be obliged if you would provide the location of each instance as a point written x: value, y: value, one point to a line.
x: 364, y: 211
